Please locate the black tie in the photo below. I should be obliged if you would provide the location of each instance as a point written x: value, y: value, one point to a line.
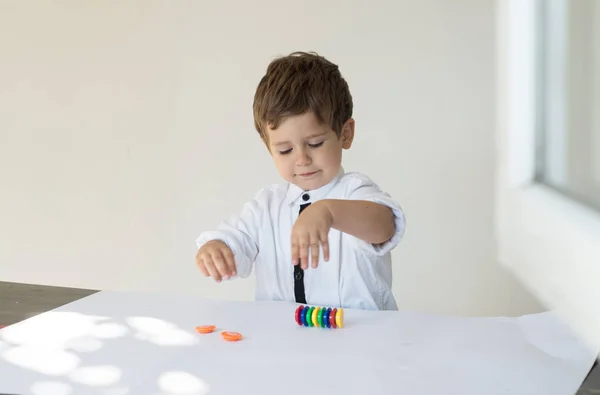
x: 298, y: 272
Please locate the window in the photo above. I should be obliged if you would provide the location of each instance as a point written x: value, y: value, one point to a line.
x: 548, y: 164
x: 568, y: 96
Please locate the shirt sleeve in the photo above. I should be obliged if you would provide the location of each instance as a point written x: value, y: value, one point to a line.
x: 362, y: 187
x: 240, y: 233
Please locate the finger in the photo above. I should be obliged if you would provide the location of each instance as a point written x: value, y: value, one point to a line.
x: 229, y: 260
x: 211, y: 269
x: 220, y: 264
x: 295, y: 251
x: 324, y: 245
x: 304, y: 246
x: 201, y: 267
x: 314, y: 250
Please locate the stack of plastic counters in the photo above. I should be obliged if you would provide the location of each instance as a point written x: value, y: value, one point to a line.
x: 321, y: 317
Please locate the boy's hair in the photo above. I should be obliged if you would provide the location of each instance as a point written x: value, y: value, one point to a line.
x: 299, y: 83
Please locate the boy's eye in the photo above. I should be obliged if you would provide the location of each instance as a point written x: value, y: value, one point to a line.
x: 287, y: 151
x: 315, y: 145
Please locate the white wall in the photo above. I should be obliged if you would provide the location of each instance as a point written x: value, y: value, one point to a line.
x: 126, y: 129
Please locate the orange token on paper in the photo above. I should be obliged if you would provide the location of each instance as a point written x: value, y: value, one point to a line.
x: 205, y: 328
x: 231, y: 336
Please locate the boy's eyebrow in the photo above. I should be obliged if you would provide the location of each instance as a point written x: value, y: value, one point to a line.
x: 312, y: 136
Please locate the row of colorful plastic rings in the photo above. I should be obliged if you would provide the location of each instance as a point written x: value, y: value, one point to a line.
x: 323, y: 317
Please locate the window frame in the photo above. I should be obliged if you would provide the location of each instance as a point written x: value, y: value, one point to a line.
x: 550, y: 241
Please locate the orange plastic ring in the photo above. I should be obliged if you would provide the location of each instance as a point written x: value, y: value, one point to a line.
x: 231, y: 336
x: 205, y: 328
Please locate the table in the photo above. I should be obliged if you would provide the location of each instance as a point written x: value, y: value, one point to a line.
x: 103, y: 330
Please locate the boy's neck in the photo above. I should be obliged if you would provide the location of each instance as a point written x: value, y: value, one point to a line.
x: 295, y: 192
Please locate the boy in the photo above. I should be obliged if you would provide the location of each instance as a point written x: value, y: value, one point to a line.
x: 347, y: 227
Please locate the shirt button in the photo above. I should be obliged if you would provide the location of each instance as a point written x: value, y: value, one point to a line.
x: 305, y: 197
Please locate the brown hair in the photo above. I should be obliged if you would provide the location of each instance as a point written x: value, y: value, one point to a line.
x: 299, y: 83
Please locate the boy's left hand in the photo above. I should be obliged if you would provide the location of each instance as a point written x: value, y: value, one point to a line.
x: 309, y: 232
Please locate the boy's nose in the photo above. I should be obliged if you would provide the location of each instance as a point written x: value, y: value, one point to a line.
x: 303, y: 159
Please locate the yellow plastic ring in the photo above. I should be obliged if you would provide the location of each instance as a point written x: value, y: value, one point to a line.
x: 315, y: 314
x: 339, y: 318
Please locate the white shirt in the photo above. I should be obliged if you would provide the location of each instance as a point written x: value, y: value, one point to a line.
x: 357, y: 275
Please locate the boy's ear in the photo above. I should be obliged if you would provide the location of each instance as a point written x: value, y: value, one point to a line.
x: 347, y: 134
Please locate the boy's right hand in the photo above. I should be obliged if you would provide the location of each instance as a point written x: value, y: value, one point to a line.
x: 215, y: 259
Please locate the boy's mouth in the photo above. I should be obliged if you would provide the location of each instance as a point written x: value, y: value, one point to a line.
x: 312, y: 173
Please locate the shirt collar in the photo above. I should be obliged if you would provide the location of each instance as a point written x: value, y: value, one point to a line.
x: 294, y: 192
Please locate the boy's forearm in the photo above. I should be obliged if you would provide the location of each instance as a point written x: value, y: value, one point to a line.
x: 368, y: 221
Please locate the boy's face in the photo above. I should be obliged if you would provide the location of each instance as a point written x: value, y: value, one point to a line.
x: 307, y: 153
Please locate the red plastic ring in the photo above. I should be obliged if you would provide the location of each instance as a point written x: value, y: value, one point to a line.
x: 298, y: 314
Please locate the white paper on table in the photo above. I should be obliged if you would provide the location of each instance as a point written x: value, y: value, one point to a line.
x: 136, y: 343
